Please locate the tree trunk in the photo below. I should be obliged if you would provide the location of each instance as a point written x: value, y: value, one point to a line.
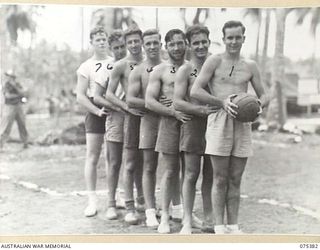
x: 265, y: 50
x: 258, y: 38
x: 277, y: 108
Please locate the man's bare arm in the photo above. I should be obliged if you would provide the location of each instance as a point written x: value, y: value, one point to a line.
x: 82, y: 86
x: 134, y: 89
x: 198, y: 89
x: 152, y: 95
x: 181, y: 91
x: 153, y: 92
x: 257, y: 85
x: 115, y: 78
x: 101, y: 100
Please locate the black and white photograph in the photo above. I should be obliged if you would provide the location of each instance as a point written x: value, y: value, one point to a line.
x: 154, y: 120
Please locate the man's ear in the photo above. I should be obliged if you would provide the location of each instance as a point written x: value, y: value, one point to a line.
x: 244, y: 38
x: 223, y: 40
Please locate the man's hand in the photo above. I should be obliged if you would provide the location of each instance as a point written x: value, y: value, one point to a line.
x: 165, y: 101
x: 102, y: 112
x: 136, y: 112
x: 116, y: 108
x: 229, y: 106
x: 183, y: 117
x: 207, y: 110
x: 260, y: 110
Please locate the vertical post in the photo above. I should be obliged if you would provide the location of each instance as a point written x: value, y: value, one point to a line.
x: 157, y: 17
x: 82, y: 29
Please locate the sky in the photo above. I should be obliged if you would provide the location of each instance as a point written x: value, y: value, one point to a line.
x: 61, y: 24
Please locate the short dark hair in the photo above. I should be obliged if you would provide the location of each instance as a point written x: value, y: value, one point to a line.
x: 173, y: 32
x: 233, y: 24
x: 96, y: 30
x: 132, y: 30
x: 114, y: 36
x: 196, y: 29
x: 151, y: 32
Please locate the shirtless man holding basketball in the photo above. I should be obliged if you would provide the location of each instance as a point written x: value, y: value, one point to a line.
x: 228, y: 140
x: 133, y: 157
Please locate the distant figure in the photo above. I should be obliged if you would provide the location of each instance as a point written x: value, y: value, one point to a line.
x: 14, y: 96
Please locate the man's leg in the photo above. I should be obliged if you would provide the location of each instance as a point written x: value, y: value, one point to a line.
x: 237, y: 166
x: 6, y: 122
x: 114, y: 152
x: 150, y: 161
x: 138, y: 173
x: 169, y: 178
x: 192, y: 170
x: 21, y: 121
x: 206, y: 190
x: 94, y: 144
x: 220, y: 185
x: 177, y: 207
x: 130, y: 166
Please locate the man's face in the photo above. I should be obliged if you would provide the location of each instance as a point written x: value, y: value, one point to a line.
x: 152, y: 45
x: 134, y: 44
x: 176, y: 47
x: 99, y: 42
x: 199, y: 45
x: 118, y: 48
x: 233, y: 39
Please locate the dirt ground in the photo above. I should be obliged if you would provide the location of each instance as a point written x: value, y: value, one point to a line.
x: 42, y: 188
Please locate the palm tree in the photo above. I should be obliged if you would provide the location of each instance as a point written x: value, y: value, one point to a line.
x: 113, y: 18
x: 18, y: 19
x: 314, y: 23
x: 256, y: 14
x: 264, y: 58
x: 196, y: 18
x: 277, y: 112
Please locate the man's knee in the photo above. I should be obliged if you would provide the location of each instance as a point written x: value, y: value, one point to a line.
x: 115, y: 159
x: 149, y: 169
x: 220, y: 181
x: 92, y: 157
x: 191, y: 176
x: 235, y: 180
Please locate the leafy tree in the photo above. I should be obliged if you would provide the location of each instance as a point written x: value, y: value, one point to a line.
x: 314, y: 24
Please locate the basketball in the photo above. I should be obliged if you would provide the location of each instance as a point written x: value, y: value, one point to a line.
x: 248, y: 107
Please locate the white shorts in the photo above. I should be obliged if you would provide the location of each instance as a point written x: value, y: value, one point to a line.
x: 226, y: 136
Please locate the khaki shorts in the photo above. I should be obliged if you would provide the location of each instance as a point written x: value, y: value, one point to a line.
x: 131, y: 131
x: 168, y: 135
x: 226, y: 136
x: 192, y: 137
x: 114, y: 127
x: 149, y: 130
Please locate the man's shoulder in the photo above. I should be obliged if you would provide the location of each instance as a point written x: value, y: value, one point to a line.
x: 141, y: 66
x: 249, y: 61
x: 86, y: 63
x: 216, y: 57
x: 162, y: 66
x: 186, y: 68
x: 121, y: 64
x: 251, y: 64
